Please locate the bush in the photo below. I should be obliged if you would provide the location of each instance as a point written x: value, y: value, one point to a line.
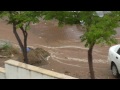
x: 7, y: 50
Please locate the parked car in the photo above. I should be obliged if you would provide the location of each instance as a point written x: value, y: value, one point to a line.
x: 114, y: 60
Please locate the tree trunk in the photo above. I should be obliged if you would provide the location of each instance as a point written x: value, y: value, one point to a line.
x: 17, y: 37
x: 90, y: 62
x: 25, y: 45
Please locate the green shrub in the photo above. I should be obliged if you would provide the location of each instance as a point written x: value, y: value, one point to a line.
x: 7, y: 50
x: 6, y: 46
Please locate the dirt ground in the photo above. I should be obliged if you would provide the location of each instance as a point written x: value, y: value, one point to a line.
x: 68, y: 54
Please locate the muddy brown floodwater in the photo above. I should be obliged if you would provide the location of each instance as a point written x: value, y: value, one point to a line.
x: 68, y: 54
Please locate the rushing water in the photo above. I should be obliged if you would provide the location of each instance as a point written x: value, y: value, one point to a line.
x: 51, y: 31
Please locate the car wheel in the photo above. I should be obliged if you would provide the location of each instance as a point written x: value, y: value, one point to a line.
x: 115, y: 70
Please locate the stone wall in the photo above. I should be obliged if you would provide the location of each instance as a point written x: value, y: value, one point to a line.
x: 17, y: 70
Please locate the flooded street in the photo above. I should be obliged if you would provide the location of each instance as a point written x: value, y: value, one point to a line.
x: 68, y: 54
x: 50, y: 33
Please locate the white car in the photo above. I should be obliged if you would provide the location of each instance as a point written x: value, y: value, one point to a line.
x: 114, y: 59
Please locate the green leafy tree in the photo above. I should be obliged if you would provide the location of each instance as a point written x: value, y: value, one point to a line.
x: 21, y: 20
x: 97, y: 29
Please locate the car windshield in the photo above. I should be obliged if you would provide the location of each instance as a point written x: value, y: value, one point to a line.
x: 118, y: 51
